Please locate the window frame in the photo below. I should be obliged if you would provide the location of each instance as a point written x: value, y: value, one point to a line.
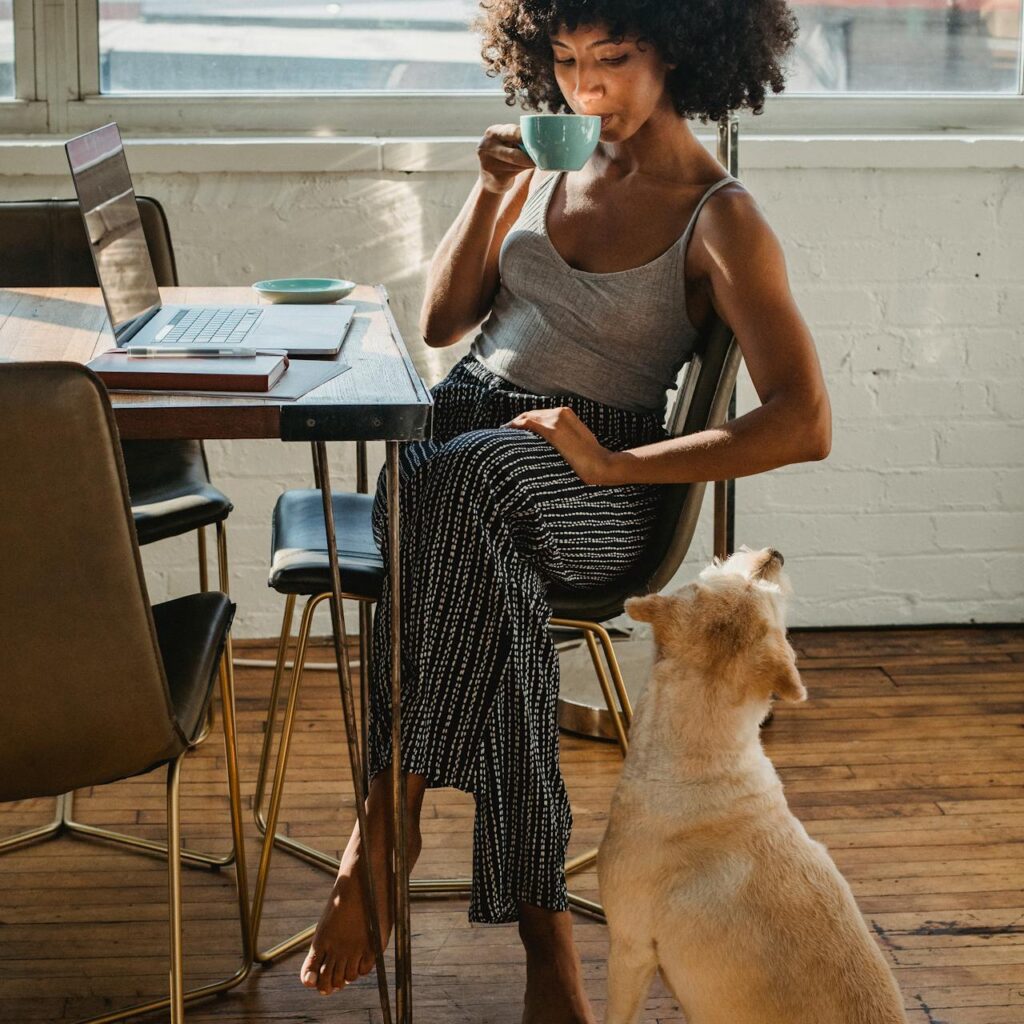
x: 57, y: 86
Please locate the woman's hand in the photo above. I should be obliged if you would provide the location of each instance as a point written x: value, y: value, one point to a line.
x: 564, y: 430
x: 501, y: 159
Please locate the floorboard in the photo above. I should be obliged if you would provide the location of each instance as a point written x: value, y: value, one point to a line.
x: 907, y: 761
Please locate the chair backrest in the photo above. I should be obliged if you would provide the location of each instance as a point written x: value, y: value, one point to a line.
x: 701, y: 403
x: 43, y: 244
x: 83, y: 695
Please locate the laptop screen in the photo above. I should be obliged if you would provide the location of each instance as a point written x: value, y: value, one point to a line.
x: 113, y: 227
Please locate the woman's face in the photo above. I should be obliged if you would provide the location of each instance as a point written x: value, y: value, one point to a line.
x: 623, y: 82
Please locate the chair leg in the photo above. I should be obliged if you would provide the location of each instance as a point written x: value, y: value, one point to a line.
x: 204, y: 569
x: 38, y: 834
x: 304, y: 852
x: 177, y: 998
x: 270, y: 836
x: 177, y: 983
x: 271, y: 721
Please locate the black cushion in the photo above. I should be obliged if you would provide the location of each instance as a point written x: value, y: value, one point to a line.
x: 298, y: 547
x: 170, y: 489
x: 191, y: 632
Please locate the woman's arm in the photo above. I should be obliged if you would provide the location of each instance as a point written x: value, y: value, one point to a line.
x: 745, y: 270
x: 463, y: 275
x: 742, y: 262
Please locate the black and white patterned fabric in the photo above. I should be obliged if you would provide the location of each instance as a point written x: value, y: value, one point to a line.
x: 488, y: 517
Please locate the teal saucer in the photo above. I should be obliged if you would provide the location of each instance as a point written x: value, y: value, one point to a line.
x: 304, y: 289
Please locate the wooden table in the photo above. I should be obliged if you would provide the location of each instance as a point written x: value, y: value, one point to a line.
x: 381, y: 397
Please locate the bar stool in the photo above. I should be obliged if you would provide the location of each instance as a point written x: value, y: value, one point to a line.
x: 300, y: 565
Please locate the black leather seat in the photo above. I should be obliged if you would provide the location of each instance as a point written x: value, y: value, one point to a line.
x: 43, y: 245
x: 191, y: 632
x: 170, y: 489
x: 299, y: 545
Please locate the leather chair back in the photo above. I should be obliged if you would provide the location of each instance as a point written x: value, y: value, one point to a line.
x: 701, y: 403
x: 80, y: 667
x: 43, y: 244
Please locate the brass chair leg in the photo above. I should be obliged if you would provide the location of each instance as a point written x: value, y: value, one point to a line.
x: 270, y: 836
x: 38, y: 834
x: 204, y: 569
x: 177, y: 993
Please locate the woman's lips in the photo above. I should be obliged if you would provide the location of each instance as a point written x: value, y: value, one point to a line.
x: 605, y: 119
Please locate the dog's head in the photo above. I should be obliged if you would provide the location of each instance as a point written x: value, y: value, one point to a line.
x: 730, y: 625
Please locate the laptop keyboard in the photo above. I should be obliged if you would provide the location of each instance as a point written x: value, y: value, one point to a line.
x: 209, y: 326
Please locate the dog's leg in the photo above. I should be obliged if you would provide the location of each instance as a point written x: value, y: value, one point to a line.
x: 630, y: 970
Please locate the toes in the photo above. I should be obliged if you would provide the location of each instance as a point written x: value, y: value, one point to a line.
x: 310, y: 969
x: 343, y: 974
x: 325, y: 976
x: 352, y: 971
x: 367, y: 964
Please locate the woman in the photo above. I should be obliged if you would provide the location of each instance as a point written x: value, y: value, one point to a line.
x: 547, y: 444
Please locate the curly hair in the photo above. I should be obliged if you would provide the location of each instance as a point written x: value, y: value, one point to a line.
x: 727, y: 51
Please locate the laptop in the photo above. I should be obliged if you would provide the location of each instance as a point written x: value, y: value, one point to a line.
x: 125, y: 272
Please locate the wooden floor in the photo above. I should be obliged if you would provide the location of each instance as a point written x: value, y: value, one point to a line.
x: 907, y: 761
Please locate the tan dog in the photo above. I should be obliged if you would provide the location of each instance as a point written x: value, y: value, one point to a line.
x: 704, y: 871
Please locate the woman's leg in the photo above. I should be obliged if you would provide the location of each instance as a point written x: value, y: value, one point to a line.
x: 554, y: 974
x: 341, y: 950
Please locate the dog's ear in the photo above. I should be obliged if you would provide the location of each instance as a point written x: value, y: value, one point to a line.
x: 647, y: 609
x: 780, y: 671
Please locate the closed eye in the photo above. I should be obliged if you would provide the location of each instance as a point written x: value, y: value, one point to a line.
x: 608, y: 60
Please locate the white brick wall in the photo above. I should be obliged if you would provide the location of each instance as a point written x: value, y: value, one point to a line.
x: 910, y: 279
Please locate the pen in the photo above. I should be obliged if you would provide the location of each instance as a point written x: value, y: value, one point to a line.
x: 197, y: 352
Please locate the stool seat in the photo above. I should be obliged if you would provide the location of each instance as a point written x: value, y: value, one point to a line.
x: 299, y: 545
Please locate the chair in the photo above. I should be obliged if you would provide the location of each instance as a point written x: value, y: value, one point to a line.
x: 43, y: 244
x: 300, y: 568
x: 95, y: 684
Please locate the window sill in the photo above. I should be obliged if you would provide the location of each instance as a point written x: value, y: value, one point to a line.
x: 43, y: 156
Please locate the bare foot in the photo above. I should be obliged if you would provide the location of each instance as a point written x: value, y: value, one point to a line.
x: 342, y: 950
x: 554, y: 974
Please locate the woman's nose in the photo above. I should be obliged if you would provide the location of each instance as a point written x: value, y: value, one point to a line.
x: 587, y: 87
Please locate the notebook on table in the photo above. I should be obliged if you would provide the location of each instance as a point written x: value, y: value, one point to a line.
x: 122, y: 372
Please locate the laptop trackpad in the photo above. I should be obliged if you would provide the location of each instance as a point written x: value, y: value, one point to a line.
x: 302, y: 329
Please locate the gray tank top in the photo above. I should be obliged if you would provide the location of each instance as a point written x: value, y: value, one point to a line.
x: 619, y: 338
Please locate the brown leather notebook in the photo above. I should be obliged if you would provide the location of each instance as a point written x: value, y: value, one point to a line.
x: 166, y: 373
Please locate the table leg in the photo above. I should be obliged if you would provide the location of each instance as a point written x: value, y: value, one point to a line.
x: 403, y: 946
x: 348, y: 708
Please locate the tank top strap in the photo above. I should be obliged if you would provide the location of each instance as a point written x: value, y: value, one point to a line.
x: 727, y: 180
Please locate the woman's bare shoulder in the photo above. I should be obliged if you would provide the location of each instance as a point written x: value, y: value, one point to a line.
x: 731, y: 224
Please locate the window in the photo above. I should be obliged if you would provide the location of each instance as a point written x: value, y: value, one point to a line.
x: 412, y: 68
x: 183, y: 46
x: 6, y: 50
x: 902, y: 46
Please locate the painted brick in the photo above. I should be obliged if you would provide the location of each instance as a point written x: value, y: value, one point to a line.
x: 936, y: 490
x: 980, y: 531
x: 986, y: 444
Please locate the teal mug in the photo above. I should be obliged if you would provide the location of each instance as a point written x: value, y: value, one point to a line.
x: 559, y: 142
